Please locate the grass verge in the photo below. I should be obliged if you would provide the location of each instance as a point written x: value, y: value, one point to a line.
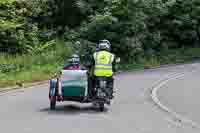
x: 21, y: 69
x: 27, y: 69
x: 177, y: 56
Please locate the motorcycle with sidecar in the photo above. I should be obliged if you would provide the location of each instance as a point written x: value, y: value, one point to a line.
x: 74, y: 87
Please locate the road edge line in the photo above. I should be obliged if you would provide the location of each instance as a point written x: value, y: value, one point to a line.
x: 28, y: 85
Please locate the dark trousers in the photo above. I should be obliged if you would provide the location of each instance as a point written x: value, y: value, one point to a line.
x: 91, y: 86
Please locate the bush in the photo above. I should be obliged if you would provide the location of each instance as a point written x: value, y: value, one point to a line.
x: 137, y: 28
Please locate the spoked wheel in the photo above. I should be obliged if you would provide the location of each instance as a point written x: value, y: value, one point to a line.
x: 53, y: 103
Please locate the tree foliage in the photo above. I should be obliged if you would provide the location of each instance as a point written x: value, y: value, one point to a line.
x: 135, y: 27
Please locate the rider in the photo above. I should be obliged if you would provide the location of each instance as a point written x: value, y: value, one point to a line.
x: 103, y: 63
x: 73, y: 63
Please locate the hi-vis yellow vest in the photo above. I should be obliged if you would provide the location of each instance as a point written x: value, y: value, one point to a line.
x: 103, y: 63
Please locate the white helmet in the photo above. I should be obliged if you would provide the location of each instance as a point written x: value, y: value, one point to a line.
x: 74, y: 59
x: 104, y: 45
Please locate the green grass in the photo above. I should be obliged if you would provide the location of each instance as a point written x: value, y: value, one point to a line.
x: 7, y: 1
x: 177, y: 56
x: 29, y: 73
x: 11, y: 79
x: 31, y: 68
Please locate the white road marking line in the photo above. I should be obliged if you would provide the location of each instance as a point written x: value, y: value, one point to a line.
x: 165, y: 108
x: 8, y: 92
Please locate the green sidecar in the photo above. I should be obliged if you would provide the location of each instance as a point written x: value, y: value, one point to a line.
x: 74, y: 84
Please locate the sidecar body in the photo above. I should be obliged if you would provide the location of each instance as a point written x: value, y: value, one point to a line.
x: 74, y: 86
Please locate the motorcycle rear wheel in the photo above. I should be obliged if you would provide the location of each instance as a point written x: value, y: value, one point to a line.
x: 101, y: 107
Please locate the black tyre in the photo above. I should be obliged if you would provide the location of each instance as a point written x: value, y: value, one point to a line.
x: 53, y: 104
x: 101, y: 107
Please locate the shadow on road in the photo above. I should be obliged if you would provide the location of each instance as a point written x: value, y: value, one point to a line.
x: 73, y: 109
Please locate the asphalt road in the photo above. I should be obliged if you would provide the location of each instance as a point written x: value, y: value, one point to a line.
x: 132, y: 111
x: 183, y: 95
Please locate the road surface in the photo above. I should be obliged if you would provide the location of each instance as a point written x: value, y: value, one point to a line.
x: 132, y: 111
x: 183, y: 95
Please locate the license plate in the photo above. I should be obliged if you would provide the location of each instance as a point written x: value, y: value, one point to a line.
x: 103, y: 84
